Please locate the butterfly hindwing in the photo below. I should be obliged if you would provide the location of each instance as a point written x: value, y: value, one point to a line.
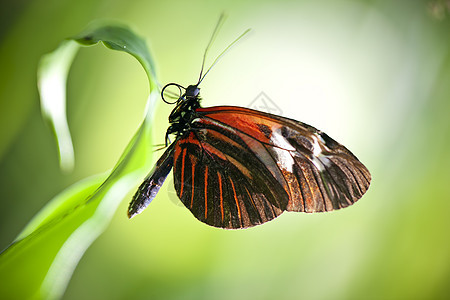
x: 212, y: 181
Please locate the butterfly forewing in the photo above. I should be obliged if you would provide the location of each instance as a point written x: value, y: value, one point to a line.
x: 317, y: 173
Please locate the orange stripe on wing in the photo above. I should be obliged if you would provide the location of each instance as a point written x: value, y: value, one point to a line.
x: 191, y: 140
x: 206, y: 192
x: 183, y: 156
x: 251, y: 199
x: 220, y: 194
x: 242, y: 119
x: 236, y: 199
x: 192, y: 187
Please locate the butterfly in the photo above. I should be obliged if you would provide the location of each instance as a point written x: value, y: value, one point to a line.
x: 235, y: 167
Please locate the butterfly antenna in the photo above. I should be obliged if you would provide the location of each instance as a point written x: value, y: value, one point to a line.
x: 221, y: 54
x: 213, y: 37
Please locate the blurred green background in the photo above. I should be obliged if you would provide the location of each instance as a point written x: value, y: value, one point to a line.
x: 374, y: 75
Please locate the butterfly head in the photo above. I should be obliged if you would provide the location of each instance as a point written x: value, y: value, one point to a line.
x: 192, y: 92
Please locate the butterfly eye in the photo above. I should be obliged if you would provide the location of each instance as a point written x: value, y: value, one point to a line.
x: 192, y: 91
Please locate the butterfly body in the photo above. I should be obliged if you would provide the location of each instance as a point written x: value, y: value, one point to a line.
x: 182, y: 115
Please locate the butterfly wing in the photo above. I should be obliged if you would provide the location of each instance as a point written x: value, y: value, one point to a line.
x: 240, y: 167
x: 223, y: 184
x: 150, y: 187
x: 319, y: 174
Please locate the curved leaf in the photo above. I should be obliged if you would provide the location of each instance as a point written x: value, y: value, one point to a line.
x: 118, y: 38
x: 54, y: 67
x: 52, y: 76
x: 40, y: 262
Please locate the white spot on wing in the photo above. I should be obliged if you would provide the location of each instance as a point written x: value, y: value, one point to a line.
x: 284, y: 158
x: 318, y: 163
x: 280, y: 141
x: 318, y: 159
x: 317, y: 150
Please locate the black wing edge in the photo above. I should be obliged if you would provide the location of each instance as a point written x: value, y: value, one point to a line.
x: 150, y: 187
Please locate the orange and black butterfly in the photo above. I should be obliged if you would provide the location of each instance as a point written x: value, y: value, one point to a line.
x: 236, y: 167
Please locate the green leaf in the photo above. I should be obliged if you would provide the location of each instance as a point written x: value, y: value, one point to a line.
x: 52, y: 75
x: 54, y: 67
x: 118, y: 38
x: 40, y: 262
